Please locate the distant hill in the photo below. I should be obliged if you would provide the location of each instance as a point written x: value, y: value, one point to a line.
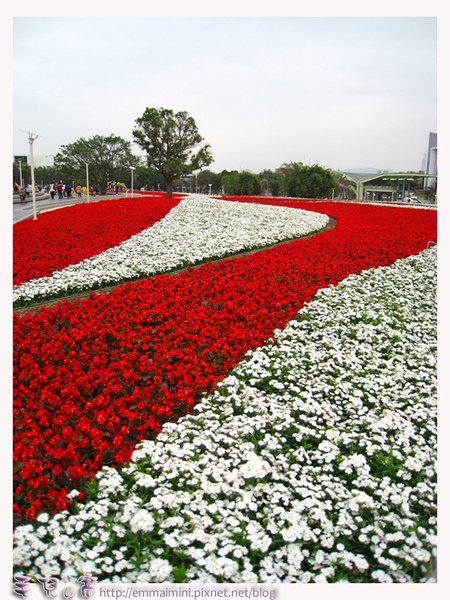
x: 369, y: 170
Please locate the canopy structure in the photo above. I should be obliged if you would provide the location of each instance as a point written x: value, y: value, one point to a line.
x: 387, y: 186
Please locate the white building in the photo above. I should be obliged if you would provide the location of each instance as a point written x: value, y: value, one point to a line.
x: 42, y: 160
x: 431, y: 168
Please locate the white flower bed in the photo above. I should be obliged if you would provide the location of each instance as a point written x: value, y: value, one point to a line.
x: 198, y: 228
x: 314, y: 461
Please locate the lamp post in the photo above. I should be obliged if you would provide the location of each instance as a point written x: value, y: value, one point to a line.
x: 20, y: 173
x: 210, y: 186
x: 87, y: 182
x: 132, y: 169
x: 33, y: 183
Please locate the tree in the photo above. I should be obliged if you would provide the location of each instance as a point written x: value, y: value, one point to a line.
x: 109, y: 158
x: 206, y: 178
x: 300, y: 181
x: 49, y: 174
x: 270, y: 183
x: 149, y: 178
x: 241, y: 184
x: 26, y: 174
x: 171, y: 141
x: 41, y: 174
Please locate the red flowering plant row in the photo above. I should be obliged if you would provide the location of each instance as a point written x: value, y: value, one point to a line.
x: 63, y: 237
x: 94, y: 377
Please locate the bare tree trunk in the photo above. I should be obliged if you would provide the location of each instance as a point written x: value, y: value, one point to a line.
x: 168, y: 190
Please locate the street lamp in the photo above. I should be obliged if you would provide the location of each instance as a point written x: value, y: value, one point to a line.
x: 132, y: 169
x: 87, y: 182
x: 20, y: 173
x: 210, y: 186
x: 33, y: 183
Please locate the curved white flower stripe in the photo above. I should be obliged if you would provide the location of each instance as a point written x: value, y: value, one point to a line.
x: 198, y: 228
x: 313, y: 461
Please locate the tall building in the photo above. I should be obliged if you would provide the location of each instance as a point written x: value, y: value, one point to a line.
x: 423, y: 165
x: 430, y: 183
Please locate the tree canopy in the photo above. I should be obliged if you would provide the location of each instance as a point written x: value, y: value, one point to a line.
x: 302, y: 181
x: 109, y: 158
x: 172, y: 143
x: 241, y: 184
x: 206, y: 178
x: 148, y: 177
x: 270, y: 182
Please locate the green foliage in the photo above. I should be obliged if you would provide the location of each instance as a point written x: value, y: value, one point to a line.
x: 41, y: 174
x: 49, y: 174
x: 385, y: 465
x: 109, y: 159
x: 171, y: 141
x: 206, y: 178
x: 179, y: 574
x: 300, y: 181
x: 241, y: 184
x: 147, y: 177
x: 270, y: 182
x: 293, y: 179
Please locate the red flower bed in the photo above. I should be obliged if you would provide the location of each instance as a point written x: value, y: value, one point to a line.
x: 94, y: 377
x: 63, y: 237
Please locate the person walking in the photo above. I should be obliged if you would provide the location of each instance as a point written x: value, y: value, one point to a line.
x: 68, y: 190
x: 52, y: 190
x: 60, y: 190
x: 78, y: 190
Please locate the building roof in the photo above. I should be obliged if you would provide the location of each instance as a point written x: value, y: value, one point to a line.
x: 357, y: 177
x: 360, y: 176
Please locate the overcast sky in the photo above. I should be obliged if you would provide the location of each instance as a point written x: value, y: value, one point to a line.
x: 341, y: 92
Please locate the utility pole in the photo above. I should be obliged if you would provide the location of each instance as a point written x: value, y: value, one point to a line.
x: 87, y: 182
x: 33, y: 183
x: 132, y: 169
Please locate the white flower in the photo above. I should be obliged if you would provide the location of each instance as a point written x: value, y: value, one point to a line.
x: 254, y: 467
x: 142, y: 521
x: 159, y: 570
x: 381, y: 576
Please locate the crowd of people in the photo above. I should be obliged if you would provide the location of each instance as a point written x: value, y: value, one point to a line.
x: 57, y: 190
